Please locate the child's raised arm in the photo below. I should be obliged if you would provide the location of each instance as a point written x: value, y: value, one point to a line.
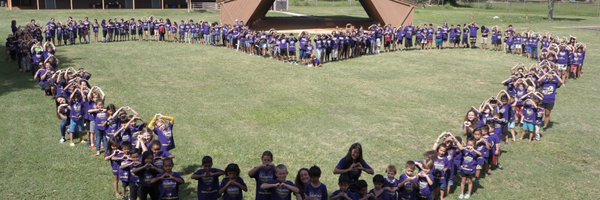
x: 152, y: 122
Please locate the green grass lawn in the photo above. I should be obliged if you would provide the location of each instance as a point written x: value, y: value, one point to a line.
x: 234, y: 106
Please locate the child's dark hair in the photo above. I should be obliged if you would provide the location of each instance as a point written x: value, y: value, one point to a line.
x: 267, y: 153
x: 314, y: 172
x: 168, y: 160
x: 155, y: 142
x: 458, y: 139
x: 344, y: 178
x: 232, y: 167
x: 127, y: 145
x: 362, y: 184
x: 430, y: 155
x: 147, y: 155
x: 410, y: 164
x: 207, y: 160
x: 111, y: 107
x: 113, y: 142
x: 378, y: 179
x: 135, y: 152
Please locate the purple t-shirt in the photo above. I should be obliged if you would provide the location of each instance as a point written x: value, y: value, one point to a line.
x: 481, y: 147
x: 382, y: 196
x: 165, y: 137
x: 264, y: 175
x: 125, y: 174
x: 352, y: 195
x: 549, y: 90
x: 425, y: 189
x: 100, y: 119
x: 473, y: 31
x: 281, y: 193
x: 409, y: 189
x: 440, y: 166
x: 232, y: 192
x: 76, y: 111
x: 529, y: 114
x: 469, y: 160
x: 113, y: 126
x: 391, y: 184
x: 355, y: 173
x: 159, y: 157
x: 169, y: 189
x: 208, y: 185
x: 316, y: 192
x: 146, y: 175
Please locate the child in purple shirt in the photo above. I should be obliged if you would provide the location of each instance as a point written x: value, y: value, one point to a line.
x: 407, y: 188
x: 379, y: 192
x: 264, y: 173
x: 208, y: 180
x: 281, y: 189
x: 315, y: 190
x: 168, y: 182
x: 468, y: 167
x: 425, y: 181
x: 232, y: 186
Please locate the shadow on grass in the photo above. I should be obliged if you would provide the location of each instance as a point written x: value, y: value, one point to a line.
x: 187, y: 191
x: 12, y: 79
x: 566, y: 19
x: 190, y: 169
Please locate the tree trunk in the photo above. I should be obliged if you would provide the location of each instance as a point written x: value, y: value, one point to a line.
x: 551, y: 9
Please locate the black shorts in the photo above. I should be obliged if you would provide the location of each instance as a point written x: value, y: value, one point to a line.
x: 548, y: 106
x: 283, y: 52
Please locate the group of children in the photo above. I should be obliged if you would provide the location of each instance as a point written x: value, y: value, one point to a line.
x: 304, y: 48
x: 141, y: 162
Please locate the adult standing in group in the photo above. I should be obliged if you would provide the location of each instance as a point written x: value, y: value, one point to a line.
x: 353, y: 165
x: 550, y: 82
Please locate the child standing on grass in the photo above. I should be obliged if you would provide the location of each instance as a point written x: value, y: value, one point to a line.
x: 529, y: 118
x: 468, y: 167
x: 264, y: 173
x: 407, y: 188
x: 147, y: 172
x: 483, y: 146
x: 62, y: 112
x: 169, y: 181
x: 232, y: 187
x: 128, y: 159
x: 281, y: 189
x: 110, y: 153
x: 76, y: 115
x: 315, y: 190
x: 208, y: 180
x: 441, y: 166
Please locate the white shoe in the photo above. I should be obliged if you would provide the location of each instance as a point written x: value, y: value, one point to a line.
x: 72, y: 144
x: 467, y: 196
x: 62, y: 140
x: 461, y: 196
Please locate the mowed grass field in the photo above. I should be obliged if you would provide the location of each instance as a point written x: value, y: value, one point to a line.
x: 234, y: 106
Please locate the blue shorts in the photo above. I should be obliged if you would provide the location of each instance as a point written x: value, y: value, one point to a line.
x: 441, y: 183
x: 529, y: 127
x: 511, y: 124
x: 76, y: 124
